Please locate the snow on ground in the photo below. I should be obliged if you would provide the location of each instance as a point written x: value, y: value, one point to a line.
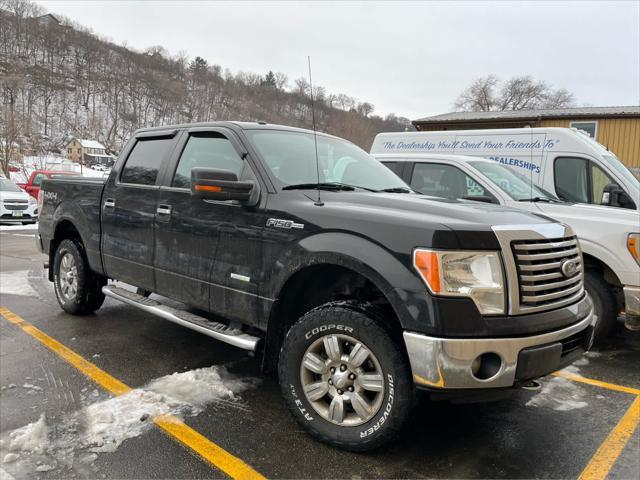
x: 74, y: 442
x: 18, y: 282
x: 559, y: 394
x: 31, y: 226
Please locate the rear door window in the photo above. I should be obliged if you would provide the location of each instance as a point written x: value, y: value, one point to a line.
x: 440, y: 180
x: 211, y: 150
x: 144, y: 161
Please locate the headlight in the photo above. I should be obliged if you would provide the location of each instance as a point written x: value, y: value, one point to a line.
x: 32, y: 201
x: 477, y: 275
x: 633, y: 245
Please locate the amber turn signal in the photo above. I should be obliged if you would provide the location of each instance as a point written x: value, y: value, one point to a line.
x: 207, y: 188
x: 426, y: 262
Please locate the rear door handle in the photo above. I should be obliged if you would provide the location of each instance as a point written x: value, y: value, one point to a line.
x: 109, y: 203
x: 163, y: 210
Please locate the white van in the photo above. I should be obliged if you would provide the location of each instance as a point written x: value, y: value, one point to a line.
x: 609, y: 238
x: 563, y: 161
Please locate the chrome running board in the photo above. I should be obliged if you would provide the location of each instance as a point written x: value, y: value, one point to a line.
x: 219, y: 331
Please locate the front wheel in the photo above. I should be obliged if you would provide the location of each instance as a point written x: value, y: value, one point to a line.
x: 604, y: 304
x: 345, y: 379
x: 78, y: 289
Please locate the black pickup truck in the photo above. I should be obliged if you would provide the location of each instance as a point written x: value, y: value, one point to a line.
x: 306, y: 250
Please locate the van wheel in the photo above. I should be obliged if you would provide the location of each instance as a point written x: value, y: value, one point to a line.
x: 604, y: 304
x: 78, y: 289
x: 344, y: 378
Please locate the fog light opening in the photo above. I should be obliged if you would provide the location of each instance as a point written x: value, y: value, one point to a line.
x: 486, y: 366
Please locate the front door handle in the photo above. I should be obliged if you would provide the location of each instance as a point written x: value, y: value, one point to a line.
x: 163, y: 210
x: 109, y: 203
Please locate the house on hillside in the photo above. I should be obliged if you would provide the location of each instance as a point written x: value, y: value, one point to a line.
x: 617, y: 128
x: 88, y: 152
x: 48, y: 19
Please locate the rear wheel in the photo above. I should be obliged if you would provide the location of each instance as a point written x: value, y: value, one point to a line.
x: 345, y: 379
x: 604, y: 304
x: 77, y: 288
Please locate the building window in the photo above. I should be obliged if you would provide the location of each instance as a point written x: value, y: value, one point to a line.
x: 590, y: 127
x: 69, y: 150
x: 80, y: 150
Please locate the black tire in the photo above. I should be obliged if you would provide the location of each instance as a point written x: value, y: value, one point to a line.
x: 604, y: 304
x: 88, y: 297
x: 363, y: 323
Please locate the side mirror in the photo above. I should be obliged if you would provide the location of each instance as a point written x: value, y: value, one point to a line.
x: 216, y: 184
x: 614, y: 196
x: 479, y: 198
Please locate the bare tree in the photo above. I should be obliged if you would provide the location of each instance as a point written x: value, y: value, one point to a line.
x: 518, y: 93
x: 480, y: 96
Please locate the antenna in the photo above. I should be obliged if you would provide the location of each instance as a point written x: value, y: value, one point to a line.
x: 318, y: 202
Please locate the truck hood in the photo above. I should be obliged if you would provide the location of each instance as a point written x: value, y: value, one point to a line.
x: 404, y: 221
x: 456, y: 214
x: 595, y: 216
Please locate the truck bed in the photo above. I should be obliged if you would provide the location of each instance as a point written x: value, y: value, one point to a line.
x: 79, y: 200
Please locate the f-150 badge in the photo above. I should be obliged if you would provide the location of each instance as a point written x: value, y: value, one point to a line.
x: 281, y: 223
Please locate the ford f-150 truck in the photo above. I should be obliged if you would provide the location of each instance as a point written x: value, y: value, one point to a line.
x: 305, y: 249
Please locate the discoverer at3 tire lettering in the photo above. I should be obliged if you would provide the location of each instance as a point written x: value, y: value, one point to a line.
x: 344, y: 378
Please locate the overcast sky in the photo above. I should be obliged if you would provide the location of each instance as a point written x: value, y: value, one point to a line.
x: 412, y: 59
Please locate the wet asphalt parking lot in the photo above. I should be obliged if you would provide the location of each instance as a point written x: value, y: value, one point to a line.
x: 57, y: 422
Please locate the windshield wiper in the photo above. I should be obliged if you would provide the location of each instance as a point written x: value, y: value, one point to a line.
x: 539, y: 199
x: 397, y: 190
x: 326, y: 186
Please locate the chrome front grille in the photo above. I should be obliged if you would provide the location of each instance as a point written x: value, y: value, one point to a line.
x: 549, y: 272
x: 534, y: 255
x: 15, y: 206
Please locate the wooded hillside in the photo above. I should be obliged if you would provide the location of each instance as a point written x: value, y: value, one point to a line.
x: 60, y: 80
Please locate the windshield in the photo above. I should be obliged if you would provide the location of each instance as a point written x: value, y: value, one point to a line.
x: 291, y: 158
x: 619, y: 167
x: 7, y: 185
x: 517, y: 186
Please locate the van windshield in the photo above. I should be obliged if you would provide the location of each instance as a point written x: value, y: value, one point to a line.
x: 517, y: 186
x: 291, y: 157
x: 619, y: 167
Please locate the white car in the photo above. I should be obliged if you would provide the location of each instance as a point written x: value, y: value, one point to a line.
x: 16, y: 205
x: 609, y: 237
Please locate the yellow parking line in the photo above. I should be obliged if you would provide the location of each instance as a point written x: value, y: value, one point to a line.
x: 596, y: 383
x: 606, y: 456
x: 172, y: 426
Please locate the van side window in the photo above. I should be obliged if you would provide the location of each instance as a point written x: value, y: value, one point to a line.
x: 579, y: 180
x: 144, y: 161
x: 446, y: 181
x: 395, y: 167
x: 211, y: 150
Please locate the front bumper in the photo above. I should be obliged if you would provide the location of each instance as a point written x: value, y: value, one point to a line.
x: 448, y: 363
x: 631, y: 300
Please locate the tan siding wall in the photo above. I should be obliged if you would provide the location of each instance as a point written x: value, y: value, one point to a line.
x: 620, y: 135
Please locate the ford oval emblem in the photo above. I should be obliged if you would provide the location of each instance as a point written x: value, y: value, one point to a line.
x: 569, y: 268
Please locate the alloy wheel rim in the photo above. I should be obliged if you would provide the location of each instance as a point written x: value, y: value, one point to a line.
x: 342, y: 380
x: 68, y: 276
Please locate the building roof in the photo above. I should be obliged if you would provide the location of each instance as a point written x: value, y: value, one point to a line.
x: 48, y: 17
x: 581, y: 112
x: 89, y: 143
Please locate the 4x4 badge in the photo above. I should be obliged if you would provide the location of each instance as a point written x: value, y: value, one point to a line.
x: 280, y: 223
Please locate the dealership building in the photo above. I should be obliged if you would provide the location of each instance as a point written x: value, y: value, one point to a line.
x: 617, y: 128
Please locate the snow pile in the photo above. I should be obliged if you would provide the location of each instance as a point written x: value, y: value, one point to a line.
x: 75, y: 440
x: 559, y: 394
x: 30, y: 438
